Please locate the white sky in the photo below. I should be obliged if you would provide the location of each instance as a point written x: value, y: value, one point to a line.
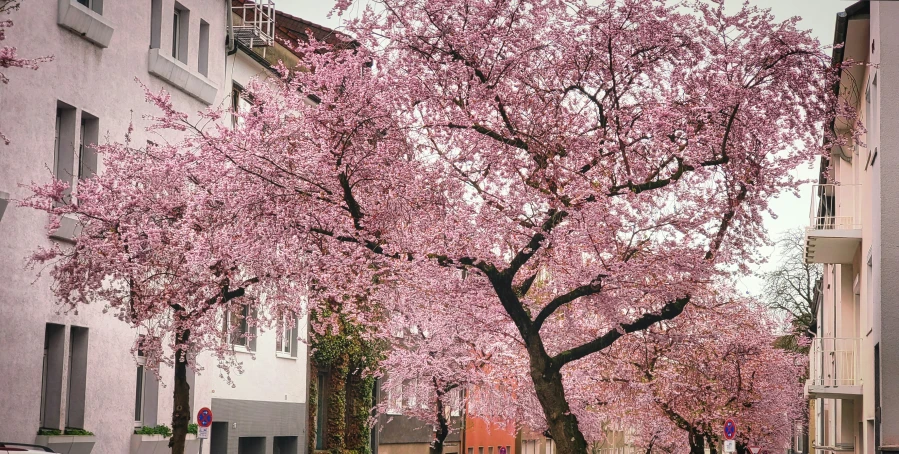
x: 817, y: 16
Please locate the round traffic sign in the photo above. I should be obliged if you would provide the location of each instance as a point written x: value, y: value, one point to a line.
x: 204, y: 417
x: 730, y: 429
x: 502, y: 450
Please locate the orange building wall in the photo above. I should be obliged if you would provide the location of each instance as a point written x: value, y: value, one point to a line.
x: 480, y: 433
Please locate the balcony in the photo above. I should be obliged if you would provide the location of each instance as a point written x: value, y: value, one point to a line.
x: 256, y: 23
x: 834, y: 369
x: 835, y: 231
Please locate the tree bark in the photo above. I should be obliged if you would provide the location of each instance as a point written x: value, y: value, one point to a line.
x: 697, y: 443
x: 563, y: 425
x: 442, y: 423
x: 181, y: 407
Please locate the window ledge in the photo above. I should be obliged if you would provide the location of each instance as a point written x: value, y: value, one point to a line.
x: 183, y: 78
x: 69, y: 229
x: 285, y: 355
x: 240, y: 348
x: 85, y: 22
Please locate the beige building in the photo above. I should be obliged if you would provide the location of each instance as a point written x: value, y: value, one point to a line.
x: 853, y: 386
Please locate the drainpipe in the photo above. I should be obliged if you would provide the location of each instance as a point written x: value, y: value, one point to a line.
x: 231, y: 44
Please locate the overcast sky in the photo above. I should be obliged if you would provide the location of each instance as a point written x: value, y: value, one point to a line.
x: 817, y: 16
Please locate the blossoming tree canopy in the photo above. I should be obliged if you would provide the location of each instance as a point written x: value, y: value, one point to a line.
x: 591, y: 168
x: 710, y: 364
x: 156, y: 252
x: 624, y: 152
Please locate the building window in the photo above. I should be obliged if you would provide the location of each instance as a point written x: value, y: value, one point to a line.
x: 470, y: 450
x: 395, y: 399
x: 146, y: 392
x: 77, y: 386
x: 242, y: 336
x: 139, y: 389
x: 155, y: 24
x: 64, y: 145
x: 180, y: 27
x: 490, y: 450
x: 240, y: 103
x: 203, y: 55
x: 285, y: 343
x: 93, y: 5
x: 480, y: 450
x: 51, y: 375
x: 90, y: 135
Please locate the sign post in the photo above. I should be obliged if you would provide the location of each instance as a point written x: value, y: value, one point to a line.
x: 754, y: 449
x: 730, y: 432
x: 204, y: 420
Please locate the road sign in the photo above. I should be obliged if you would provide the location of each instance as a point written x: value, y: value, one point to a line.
x: 730, y: 429
x: 502, y: 450
x: 754, y: 449
x: 730, y: 446
x: 202, y: 432
x: 204, y: 417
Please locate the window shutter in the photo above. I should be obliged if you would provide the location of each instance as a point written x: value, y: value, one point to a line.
x: 293, y: 338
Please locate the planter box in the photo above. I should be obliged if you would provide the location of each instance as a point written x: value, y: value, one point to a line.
x: 157, y: 444
x: 67, y: 444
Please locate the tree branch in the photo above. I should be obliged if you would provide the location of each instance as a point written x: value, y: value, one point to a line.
x: 671, y: 310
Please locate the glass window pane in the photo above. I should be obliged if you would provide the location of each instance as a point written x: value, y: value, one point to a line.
x: 139, y: 395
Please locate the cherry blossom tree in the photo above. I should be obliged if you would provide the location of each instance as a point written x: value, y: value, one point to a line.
x: 687, y: 376
x: 593, y: 169
x: 9, y: 55
x: 157, y: 253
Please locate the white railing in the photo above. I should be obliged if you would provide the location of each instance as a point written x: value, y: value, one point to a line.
x: 835, y: 207
x: 834, y: 361
x: 257, y: 24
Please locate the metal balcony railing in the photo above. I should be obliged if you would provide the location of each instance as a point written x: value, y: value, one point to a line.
x: 257, y: 23
x: 834, y: 362
x: 835, y: 207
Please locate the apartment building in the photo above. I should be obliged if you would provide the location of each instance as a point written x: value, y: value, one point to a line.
x: 853, y: 385
x: 75, y: 369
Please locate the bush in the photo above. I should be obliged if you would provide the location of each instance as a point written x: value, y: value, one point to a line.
x: 192, y: 428
x: 160, y: 429
x: 49, y: 432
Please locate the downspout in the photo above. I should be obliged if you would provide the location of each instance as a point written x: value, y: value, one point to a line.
x: 231, y: 43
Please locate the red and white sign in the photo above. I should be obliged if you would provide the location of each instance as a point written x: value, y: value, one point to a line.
x: 754, y: 449
x: 730, y: 429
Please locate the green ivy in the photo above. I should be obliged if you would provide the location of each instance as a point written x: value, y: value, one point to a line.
x: 192, y: 428
x: 76, y: 431
x: 345, y: 353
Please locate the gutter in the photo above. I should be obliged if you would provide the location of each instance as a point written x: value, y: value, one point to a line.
x: 232, y: 49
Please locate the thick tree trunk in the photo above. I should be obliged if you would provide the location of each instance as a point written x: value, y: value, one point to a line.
x: 697, y: 443
x: 563, y: 425
x: 181, y: 407
x: 442, y: 424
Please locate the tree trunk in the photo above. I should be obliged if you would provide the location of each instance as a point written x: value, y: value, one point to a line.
x: 563, y: 425
x: 442, y: 424
x: 697, y: 443
x: 181, y: 407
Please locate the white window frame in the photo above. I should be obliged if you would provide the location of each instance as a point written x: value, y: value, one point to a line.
x: 285, y: 339
x: 176, y: 34
x: 238, y: 340
x: 140, y: 394
x: 395, y: 400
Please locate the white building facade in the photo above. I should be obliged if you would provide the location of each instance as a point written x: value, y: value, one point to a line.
x: 76, y: 370
x: 853, y: 386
